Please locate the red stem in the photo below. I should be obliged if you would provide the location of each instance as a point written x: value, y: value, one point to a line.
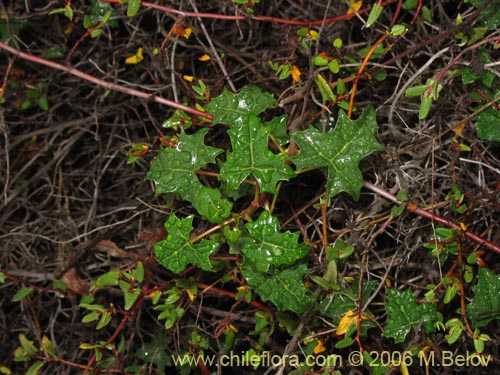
x: 429, y: 215
x: 258, y: 18
x: 100, y: 82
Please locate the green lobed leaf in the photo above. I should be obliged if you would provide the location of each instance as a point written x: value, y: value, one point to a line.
x: 486, y: 305
x: 176, y: 251
x: 209, y: 203
x: 174, y: 170
x: 285, y: 289
x: 490, y: 16
x: 405, y: 313
x: 335, y: 305
x: 229, y: 108
x: 251, y: 156
x: 488, y: 125
x: 340, y: 151
x: 277, y: 127
x: 270, y: 246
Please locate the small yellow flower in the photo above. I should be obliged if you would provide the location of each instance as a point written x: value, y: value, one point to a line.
x: 233, y: 328
x: 135, y: 59
x: 319, y: 348
x: 187, y: 32
x: 188, y: 78
x: 295, y: 72
x: 190, y: 294
x: 204, y: 57
x: 354, y: 6
x: 313, y: 34
x: 346, y: 321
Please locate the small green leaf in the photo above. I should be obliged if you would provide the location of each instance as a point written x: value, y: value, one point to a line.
x: 325, y: 89
x: 341, y: 89
x: 398, y: 29
x: 410, y: 4
x: 334, y: 66
x: 110, y: 278
x: 339, y: 250
x: 131, y: 297
x: 344, y: 343
x: 337, y: 43
x: 91, y: 317
x: 375, y: 13
x: 405, y: 314
x: 138, y: 272
x: 402, y: 195
x: 178, y: 119
x: 427, y: 14
x: 380, y: 74
x: 133, y: 7
x: 479, y: 345
x: 48, y: 348
x: 415, y: 91
x: 320, y: 60
x: 104, y: 321
x: 340, y: 151
x: 485, y: 305
x: 285, y: 289
x: 451, y: 292
x: 22, y: 293
x: 96, y: 33
x: 68, y: 12
x: 378, y: 53
x: 270, y: 246
x: 59, y: 284
x: 43, y: 103
x: 454, y: 334
x: 425, y: 107
x: 176, y: 251
x: 398, y: 210
x: 34, y: 368
x: 27, y: 345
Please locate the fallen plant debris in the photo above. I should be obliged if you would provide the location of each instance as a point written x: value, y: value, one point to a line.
x: 249, y: 186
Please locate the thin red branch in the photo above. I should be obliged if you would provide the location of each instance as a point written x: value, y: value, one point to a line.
x: 429, y: 215
x: 102, y: 83
x: 227, y: 293
x: 440, y: 36
x: 109, y: 341
x: 258, y: 18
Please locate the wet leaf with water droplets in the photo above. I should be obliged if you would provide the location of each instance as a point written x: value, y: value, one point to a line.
x: 176, y: 251
x: 174, y: 170
x: 251, y: 156
x: 340, y: 151
x: 405, y: 313
x: 270, y: 246
x: 285, y: 289
x: 229, y: 108
x: 486, y: 305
